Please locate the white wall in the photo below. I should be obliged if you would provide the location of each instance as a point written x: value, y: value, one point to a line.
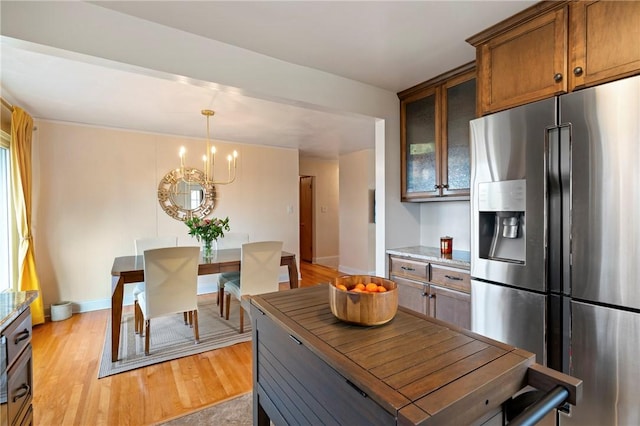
x: 445, y: 218
x: 326, y: 247
x: 357, y: 240
x: 95, y: 191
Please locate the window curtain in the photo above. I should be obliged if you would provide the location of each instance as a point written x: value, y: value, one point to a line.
x: 20, y: 151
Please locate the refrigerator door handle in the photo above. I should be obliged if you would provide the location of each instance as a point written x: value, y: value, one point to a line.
x: 559, y: 208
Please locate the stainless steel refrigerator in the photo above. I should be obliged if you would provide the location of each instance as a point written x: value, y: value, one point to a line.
x: 555, y: 240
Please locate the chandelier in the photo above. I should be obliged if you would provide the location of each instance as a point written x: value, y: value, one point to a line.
x: 209, y: 161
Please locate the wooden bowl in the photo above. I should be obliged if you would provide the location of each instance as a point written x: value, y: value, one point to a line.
x: 363, y: 308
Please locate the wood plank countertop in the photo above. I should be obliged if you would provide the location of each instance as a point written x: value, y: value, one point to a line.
x: 421, y: 370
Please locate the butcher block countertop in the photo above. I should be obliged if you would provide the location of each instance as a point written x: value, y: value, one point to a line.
x: 420, y: 370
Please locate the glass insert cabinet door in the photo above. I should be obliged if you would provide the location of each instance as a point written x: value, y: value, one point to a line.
x: 435, y: 115
x: 420, y: 153
x: 461, y: 108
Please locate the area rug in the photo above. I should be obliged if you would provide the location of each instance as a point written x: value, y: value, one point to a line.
x: 236, y: 411
x: 171, y: 339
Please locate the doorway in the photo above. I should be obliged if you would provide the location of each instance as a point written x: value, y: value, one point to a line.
x: 306, y: 218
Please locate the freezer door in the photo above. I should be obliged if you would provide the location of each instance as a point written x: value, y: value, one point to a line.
x: 508, y: 207
x: 514, y: 317
x: 605, y: 186
x: 604, y: 347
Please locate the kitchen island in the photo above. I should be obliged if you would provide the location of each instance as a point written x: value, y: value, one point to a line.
x: 311, y: 368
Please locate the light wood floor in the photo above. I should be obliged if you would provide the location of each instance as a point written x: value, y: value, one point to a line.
x: 66, y: 357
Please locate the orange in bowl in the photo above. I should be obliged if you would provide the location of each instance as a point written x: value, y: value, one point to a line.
x: 368, y: 300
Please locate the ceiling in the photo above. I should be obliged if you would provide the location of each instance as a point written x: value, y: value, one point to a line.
x: 391, y: 45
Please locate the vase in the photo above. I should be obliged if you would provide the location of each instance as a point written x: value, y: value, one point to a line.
x: 209, y: 248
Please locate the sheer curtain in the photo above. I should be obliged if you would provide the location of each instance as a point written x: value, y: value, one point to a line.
x: 20, y: 151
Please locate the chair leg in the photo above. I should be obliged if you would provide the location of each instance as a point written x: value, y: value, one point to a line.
x: 241, y: 319
x: 184, y: 314
x: 196, y: 333
x: 191, y: 319
x: 147, y: 333
x: 221, y: 297
x: 227, y: 298
x: 135, y: 316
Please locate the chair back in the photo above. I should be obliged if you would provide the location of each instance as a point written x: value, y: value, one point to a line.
x: 171, y: 276
x: 142, y: 244
x: 260, y: 267
x: 233, y: 240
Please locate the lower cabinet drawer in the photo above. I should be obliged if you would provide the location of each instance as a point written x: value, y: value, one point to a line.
x: 409, y: 269
x: 18, y: 335
x: 303, y: 388
x: 456, y: 279
x: 20, y: 386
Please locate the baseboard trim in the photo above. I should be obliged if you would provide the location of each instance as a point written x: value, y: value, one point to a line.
x: 352, y: 271
x: 332, y: 262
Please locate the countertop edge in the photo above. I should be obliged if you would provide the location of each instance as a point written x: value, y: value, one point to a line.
x: 459, y: 258
x: 12, y: 304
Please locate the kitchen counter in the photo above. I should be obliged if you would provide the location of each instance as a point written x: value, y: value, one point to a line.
x: 12, y: 304
x: 309, y: 367
x: 459, y: 258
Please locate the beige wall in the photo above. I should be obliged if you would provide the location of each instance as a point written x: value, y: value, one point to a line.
x: 357, y: 235
x: 326, y: 248
x: 95, y: 191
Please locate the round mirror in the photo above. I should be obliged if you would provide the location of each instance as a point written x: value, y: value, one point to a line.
x: 183, y: 194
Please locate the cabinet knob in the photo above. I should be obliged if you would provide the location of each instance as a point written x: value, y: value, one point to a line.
x: 436, y: 186
x: 445, y: 186
x: 577, y: 71
x: 557, y: 77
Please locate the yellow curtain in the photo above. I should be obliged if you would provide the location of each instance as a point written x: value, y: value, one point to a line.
x: 21, y: 134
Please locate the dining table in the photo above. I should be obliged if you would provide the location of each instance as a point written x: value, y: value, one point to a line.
x: 130, y: 269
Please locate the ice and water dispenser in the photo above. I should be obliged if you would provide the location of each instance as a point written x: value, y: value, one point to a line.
x: 502, y: 221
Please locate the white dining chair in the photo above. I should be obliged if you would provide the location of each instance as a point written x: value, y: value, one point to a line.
x: 230, y: 240
x: 259, y: 272
x: 140, y: 245
x: 171, y: 286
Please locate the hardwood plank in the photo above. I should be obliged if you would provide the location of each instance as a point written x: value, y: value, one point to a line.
x: 395, y: 347
x: 440, y: 344
x: 437, y: 364
x: 496, y: 382
x: 450, y: 373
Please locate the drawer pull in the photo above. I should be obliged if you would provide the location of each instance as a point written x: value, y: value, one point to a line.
x: 407, y: 268
x: 295, y: 340
x: 360, y: 391
x: 451, y: 277
x: 24, y: 390
x: 23, y: 335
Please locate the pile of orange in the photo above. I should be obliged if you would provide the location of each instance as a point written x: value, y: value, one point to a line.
x: 363, y: 288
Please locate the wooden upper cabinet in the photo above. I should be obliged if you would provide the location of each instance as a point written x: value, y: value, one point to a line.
x: 525, y: 64
x: 434, y: 135
x: 553, y: 48
x: 604, y: 40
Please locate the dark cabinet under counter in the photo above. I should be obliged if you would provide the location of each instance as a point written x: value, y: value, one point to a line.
x: 16, y: 381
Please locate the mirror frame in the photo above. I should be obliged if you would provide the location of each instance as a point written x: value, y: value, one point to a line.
x: 167, y: 187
